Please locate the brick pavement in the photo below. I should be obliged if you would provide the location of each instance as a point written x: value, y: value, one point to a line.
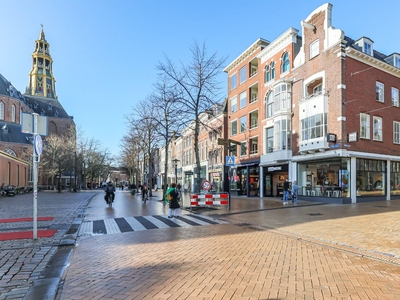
x: 22, y: 261
x: 222, y: 262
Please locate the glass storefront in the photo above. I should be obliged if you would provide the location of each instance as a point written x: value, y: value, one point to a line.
x: 327, y: 178
x: 395, y: 178
x: 245, y: 180
x: 371, y: 179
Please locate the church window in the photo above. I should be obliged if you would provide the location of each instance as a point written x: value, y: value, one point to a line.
x: 1, y: 110
x: 13, y: 113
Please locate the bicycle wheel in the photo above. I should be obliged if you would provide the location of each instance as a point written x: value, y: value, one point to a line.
x: 110, y: 201
x: 145, y: 198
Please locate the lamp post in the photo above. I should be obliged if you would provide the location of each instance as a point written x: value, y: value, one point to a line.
x: 175, y: 161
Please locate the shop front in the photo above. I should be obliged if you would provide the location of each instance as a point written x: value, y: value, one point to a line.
x: 245, y: 179
x: 328, y: 178
x: 274, y: 176
x: 216, y: 179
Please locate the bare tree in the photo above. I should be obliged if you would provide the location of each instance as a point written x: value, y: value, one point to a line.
x: 143, y: 125
x: 95, y: 160
x: 169, y: 116
x: 57, y: 156
x: 199, y: 88
x: 130, y: 155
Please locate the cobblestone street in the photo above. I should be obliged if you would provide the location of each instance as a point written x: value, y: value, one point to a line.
x: 23, y: 260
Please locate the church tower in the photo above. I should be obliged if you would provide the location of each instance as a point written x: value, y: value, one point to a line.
x: 41, y: 80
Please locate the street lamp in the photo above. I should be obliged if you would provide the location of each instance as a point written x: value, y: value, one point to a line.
x: 175, y: 161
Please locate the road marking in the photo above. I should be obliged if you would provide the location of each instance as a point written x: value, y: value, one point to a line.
x: 139, y: 223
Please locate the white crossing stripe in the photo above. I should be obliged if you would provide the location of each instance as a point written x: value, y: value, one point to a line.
x: 135, y: 224
x: 157, y: 222
x: 110, y: 226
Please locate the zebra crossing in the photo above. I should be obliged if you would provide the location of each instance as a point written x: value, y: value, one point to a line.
x: 127, y: 224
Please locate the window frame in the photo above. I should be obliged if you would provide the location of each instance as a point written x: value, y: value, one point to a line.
x: 233, y: 81
x: 234, y: 126
x: 234, y: 107
x: 242, y: 100
x: 378, y: 130
x: 267, y: 74
x: 269, y: 105
x: 366, y: 126
x: 13, y: 111
x: 243, y: 128
x: 314, y: 49
x: 243, y: 146
x: 396, y: 132
x: 269, y: 137
x: 285, y: 63
x: 251, y: 117
x: 242, y: 75
x: 367, y: 48
x: 1, y: 110
x: 380, y: 92
x: 395, y: 97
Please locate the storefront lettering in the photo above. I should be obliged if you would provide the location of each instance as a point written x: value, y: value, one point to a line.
x: 273, y: 169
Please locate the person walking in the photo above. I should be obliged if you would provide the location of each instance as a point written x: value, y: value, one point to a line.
x: 172, y: 197
x: 295, y: 190
x: 286, y: 191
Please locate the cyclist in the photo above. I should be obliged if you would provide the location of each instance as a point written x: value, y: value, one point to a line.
x: 145, y: 191
x: 110, y: 189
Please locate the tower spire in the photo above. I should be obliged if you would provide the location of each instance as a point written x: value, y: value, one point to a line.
x: 41, y: 80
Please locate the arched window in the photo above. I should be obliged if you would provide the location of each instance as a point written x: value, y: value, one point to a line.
x: 267, y: 75
x: 9, y: 151
x: 1, y: 110
x: 272, y: 70
x: 52, y: 127
x: 285, y: 62
x: 13, y: 113
x: 269, y: 101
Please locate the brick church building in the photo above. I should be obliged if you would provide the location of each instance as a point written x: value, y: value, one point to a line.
x: 40, y: 97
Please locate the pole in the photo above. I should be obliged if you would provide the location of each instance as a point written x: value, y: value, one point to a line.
x: 35, y: 177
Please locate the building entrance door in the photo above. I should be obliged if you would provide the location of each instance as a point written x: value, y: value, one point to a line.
x: 268, y: 185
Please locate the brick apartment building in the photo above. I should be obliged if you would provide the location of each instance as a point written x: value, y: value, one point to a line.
x: 40, y: 97
x: 320, y: 109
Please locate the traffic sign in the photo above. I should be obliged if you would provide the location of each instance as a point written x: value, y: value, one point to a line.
x: 206, y: 185
x: 38, y: 144
x: 230, y: 161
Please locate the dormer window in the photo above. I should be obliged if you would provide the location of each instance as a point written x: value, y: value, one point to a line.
x: 35, y: 105
x: 50, y: 106
x: 397, y: 62
x: 366, y: 45
x: 42, y: 112
x: 56, y: 114
x: 367, y: 48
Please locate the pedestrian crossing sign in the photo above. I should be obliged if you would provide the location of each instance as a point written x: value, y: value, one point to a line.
x: 230, y: 161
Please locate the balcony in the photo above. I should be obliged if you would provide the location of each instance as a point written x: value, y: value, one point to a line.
x: 315, y: 106
x: 276, y: 156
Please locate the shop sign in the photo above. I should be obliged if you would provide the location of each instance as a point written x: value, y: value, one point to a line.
x: 331, y: 138
x: 274, y: 169
x: 352, y: 137
x: 188, y: 173
x: 277, y: 168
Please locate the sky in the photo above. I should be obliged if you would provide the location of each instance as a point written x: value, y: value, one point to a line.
x: 105, y: 53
